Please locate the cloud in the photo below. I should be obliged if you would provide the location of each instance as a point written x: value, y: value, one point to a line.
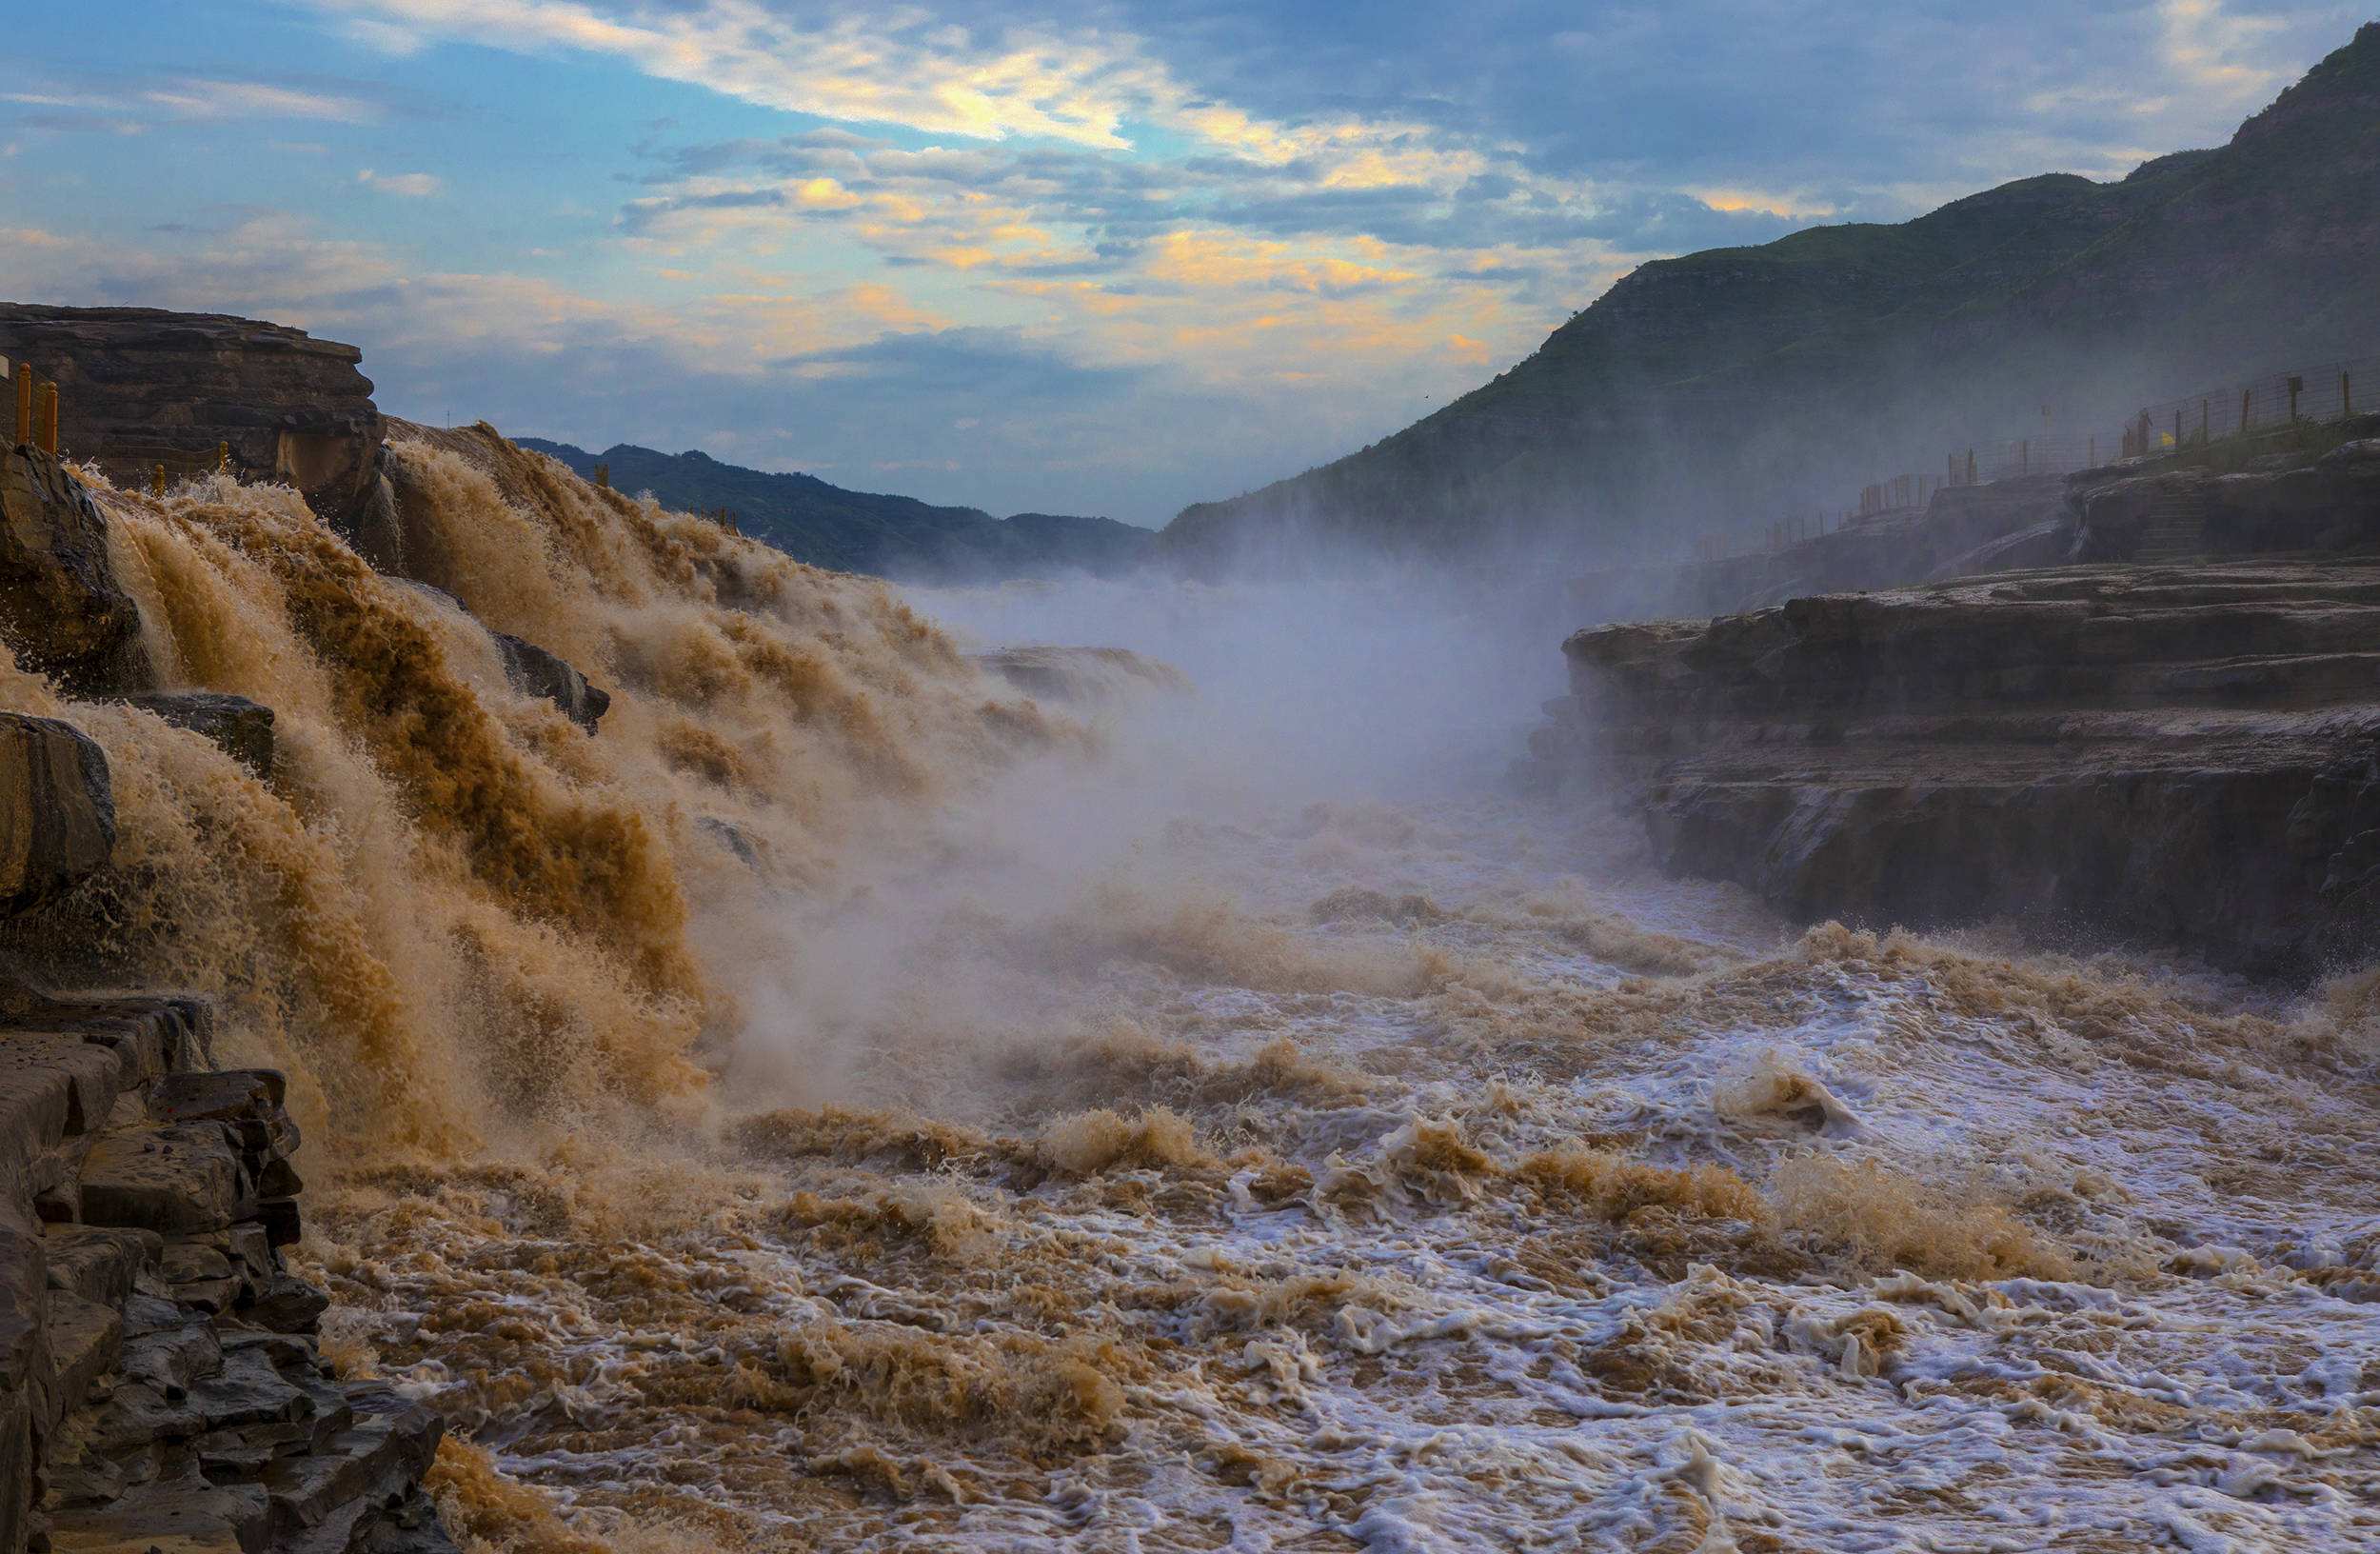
x: 1144, y: 253
x: 894, y: 67
x: 413, y: 185
x: 186, y: 99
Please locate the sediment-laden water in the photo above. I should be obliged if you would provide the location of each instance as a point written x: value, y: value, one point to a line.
x: 849, y: 1104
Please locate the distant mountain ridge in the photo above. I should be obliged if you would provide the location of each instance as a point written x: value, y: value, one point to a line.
x: 859, y: 531
x: 1736, y: 384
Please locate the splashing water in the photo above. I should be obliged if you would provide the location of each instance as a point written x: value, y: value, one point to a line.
x: 847, y: 1104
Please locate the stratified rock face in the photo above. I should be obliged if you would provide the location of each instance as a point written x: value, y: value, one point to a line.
x: 160, y: 1382
x: 2179, y: 757
x: 57, y: 813
x: 536, y: 672
x: 138, y: 386
x: 61, y: 610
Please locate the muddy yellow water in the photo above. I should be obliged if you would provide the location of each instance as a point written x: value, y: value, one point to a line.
x: 855, y: 1103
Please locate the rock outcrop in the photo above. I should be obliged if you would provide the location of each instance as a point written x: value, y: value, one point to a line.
x: 138, y: 386
x: 242, y: 728
x: 533, y: 672
x: 160, y: 1384
x: 163, y: 1386
x: 61, y: 610
x: 57, y: 812
x: 2178, y: 756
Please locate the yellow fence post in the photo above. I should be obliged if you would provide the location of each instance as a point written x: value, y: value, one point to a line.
x: 50, y: 419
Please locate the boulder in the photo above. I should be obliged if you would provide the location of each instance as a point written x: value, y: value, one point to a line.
x: 138, y: 386
x: 242, y: 728
x: 61, y: 610
x: 533, y: 672
x: 57, y: 813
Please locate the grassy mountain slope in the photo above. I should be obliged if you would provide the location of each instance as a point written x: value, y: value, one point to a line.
x: 858, y: 532
x: 1727, y: 385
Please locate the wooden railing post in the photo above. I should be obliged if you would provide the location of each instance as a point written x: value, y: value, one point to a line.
x: 50, y: 419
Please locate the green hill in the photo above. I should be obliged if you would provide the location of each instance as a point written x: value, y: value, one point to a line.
x: 858, y: 532
x: 1722, y: 388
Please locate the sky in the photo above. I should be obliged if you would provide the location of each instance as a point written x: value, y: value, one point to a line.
x: 1095, y: 258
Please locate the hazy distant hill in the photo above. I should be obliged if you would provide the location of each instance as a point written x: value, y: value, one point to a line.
x: 857, y: 531
x: 1740, y: 383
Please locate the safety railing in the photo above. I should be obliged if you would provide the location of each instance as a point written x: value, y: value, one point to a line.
x: 2300, y: 396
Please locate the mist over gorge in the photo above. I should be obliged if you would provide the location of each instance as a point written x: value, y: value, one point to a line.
x: 1571, y: 980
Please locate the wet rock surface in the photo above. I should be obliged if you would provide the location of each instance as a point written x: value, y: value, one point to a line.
x: 61, y: 610
x: 2185, y: 757
x: 58, y: 811
x: 533, y: 672
x: 160, y: 1383
x: 242, y: 728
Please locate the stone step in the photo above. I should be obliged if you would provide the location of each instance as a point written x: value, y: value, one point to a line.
x: 85, y: 1338
x: 390, y: 1448
x: 184, y: 1516
x: 99, y: 1264
x: 156, y: 1033
x: 175, y: 1179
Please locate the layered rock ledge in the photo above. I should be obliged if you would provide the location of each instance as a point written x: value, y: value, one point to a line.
x: 139, y: 387
x: 161, y: 1387
x: 2183, y: 756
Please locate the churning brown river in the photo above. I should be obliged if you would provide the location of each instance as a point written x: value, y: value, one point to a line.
x: 1175, y: 1101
